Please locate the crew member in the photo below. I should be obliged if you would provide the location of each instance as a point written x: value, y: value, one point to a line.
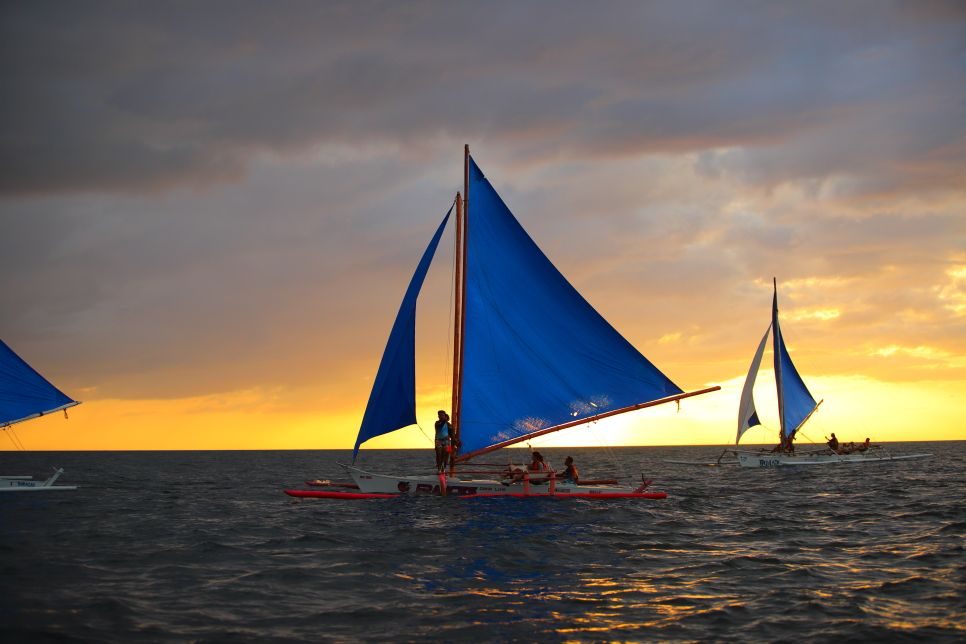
x: 443, y: 441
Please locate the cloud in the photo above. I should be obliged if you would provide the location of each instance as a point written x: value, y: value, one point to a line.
x: 126, y: 97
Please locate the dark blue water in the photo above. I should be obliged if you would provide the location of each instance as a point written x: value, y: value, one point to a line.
x: 204, y: 547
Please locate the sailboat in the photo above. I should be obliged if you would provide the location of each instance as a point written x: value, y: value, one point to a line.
x: 795, y: 407
x: 531, y: 357
x: 24, y: 395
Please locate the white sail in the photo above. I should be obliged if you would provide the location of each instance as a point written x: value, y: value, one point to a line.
x: 747, y: 414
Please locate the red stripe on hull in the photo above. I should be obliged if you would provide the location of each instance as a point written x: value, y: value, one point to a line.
x: 588, y: 495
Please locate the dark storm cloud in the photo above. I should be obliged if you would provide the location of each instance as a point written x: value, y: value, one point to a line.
x: 123, y: 96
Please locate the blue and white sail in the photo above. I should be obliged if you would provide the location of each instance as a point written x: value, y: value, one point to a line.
x: 537, y: 354
x: 795, y: 403
x: 392, y: 403
x: 747, y: 414
x: 24, y: 393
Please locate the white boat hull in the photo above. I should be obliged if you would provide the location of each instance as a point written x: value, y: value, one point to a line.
x: 767, y: 459
x: 26, y: 484
x: 370, y: 483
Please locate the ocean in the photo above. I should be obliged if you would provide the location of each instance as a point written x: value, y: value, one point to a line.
x: 203, y: 546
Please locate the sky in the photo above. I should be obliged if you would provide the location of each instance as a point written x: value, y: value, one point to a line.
x: 209, y: 212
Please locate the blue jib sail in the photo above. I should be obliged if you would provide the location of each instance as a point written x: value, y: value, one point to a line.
x: 392, y: 403
x: 536, y: 353
x: 797, y: 401
x: 24, y: 393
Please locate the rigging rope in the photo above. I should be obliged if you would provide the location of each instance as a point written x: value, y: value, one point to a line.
x: 14, y: 438
x: 432, y: 441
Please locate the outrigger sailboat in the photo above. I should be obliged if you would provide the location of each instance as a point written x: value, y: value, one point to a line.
x: 795, y: 406
x: 25, y: 394
x: 531, y: 357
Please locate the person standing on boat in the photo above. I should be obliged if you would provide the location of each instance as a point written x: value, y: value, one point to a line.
x: 443, y: 441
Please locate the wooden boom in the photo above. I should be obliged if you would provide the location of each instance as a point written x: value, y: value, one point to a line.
x: 583, y: 421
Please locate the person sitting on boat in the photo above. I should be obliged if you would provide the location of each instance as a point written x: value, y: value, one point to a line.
x: 570, y: 473
x: 537, y: 465
x: 442, y: 440
x: 512, y: 476
x: 864, y: 446
x: 785, y: 445
x: 833, y: 443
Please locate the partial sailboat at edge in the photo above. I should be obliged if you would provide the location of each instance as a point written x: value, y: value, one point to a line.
x: 24, y: 395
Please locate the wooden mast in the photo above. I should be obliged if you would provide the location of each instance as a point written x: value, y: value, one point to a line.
x: 462, y: 236
x: 457, y: 317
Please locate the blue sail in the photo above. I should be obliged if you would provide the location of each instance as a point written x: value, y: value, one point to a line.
x: 24, y: 393
x: 392, y: 403
x: 795, y: 402
x: 537, y: 354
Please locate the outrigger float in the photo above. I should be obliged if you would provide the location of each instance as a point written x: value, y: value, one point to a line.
x: 530, y: 357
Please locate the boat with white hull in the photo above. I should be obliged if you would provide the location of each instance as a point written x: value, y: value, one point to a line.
x: 766, y: 458
x: 25, y: 395
x: 370, y: 483
x: 795, y: 407
x: 27, y: 484
x: 530, y: 357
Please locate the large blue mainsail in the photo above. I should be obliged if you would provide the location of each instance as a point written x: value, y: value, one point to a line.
x: 24, y: 393
x: 392, y: 403
x: 795, y: 402
x: 536, y: 353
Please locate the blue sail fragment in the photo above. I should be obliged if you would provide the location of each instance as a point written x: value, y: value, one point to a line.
x: 392, y: 403
x: 537, y: 354
x: 24, y: 393
x: 797, y: 401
